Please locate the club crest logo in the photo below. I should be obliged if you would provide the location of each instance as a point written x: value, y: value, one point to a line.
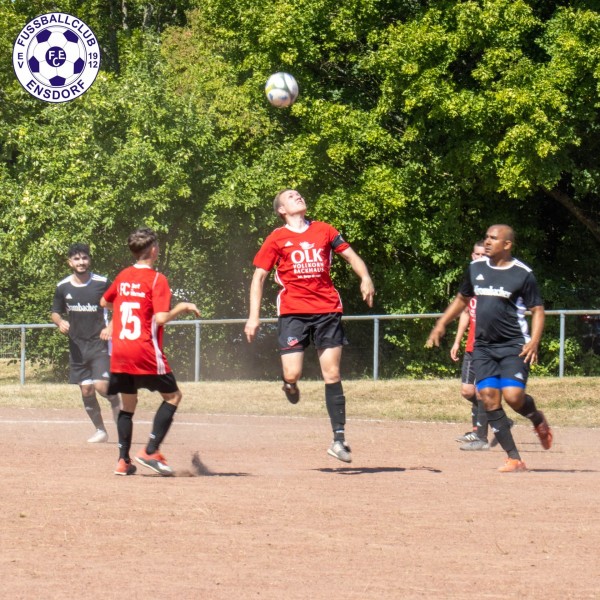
x: 56, y: 57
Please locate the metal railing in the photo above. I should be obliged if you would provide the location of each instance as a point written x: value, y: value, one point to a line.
x: 377, y: 319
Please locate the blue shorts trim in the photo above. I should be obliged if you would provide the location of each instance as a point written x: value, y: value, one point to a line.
x: 511, y: 383
x: 498, y: 383
x: 489, y: 382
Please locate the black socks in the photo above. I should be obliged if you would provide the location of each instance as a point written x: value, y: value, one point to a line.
x: 500, y: 425
x: 125, y: 430
x: 336, y: 408
x: 162, y: 422
x: 92, y: 408
x: 529, y: 411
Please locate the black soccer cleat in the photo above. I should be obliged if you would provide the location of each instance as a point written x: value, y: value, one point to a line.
x: 292, y: 393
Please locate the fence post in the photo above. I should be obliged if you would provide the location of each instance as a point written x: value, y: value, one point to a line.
x: 375, y: 348
x: 561, y: 349
x: 197, y: 354
x: 23, y: 356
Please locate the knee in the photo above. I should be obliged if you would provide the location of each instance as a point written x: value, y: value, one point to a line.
x: 515, y: 397
x: 174, y: 398
x: 292, y: 375
x: 491, y: 398
x: 331, y: 373
x: 87, y: 390
x: 468, y: 393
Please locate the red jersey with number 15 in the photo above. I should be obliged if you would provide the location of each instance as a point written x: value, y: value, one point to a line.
x: 302, y: 262
x: 137, y: 294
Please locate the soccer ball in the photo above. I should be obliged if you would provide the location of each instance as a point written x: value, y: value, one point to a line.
x: 57, y: 56
x: 281, y: 89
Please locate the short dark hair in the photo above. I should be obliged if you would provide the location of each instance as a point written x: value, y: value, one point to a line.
x: 509, y: 232
x: 141, y: 240
x: 78, y: 248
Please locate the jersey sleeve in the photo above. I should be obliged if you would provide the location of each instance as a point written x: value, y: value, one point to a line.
x: 338, y: 243
x: 58, y: 302
x: 531, y: 293
x: 111, y: 293
x: 466, y: 287
x: 267, y: 256
x: 161, y: 294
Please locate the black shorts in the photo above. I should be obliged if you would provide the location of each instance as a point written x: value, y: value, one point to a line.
x: 294, y: 332
x: 124, y: 383
x: 467, y: 374
x: 89, y: 361
x: 500, y: 362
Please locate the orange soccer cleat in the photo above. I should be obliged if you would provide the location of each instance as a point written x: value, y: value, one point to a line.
x: 513, y: 465
x: 124, y: 468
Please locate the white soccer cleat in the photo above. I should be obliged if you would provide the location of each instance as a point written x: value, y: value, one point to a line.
x: 341, y: 451
x: 99, y: 437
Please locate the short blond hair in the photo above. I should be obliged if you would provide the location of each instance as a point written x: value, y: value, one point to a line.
x: 277, y: 203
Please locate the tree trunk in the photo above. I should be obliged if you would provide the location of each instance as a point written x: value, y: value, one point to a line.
x: 567, y: 202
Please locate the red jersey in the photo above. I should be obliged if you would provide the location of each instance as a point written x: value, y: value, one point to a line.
x: 471, y: 335
x: 137, y: 294
x: 302, y: 262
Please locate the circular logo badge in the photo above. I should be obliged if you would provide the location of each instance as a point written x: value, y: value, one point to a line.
x: 56, y: 57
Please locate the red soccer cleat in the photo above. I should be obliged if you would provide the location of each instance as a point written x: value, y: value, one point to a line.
x: 544, y: 433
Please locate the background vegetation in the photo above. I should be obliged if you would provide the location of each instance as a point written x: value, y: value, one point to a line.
x: 419, y: 123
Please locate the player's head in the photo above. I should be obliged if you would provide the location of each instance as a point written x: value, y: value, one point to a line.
x: 478, y: 250
x: 288, y: 202
x: 78, y: 257
x: 499, y: 241
x: 141, y: 242
x: 78, y: 248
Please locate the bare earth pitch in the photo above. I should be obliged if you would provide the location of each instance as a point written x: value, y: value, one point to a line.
x: 272, y: 516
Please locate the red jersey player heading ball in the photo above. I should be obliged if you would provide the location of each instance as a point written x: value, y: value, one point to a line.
x: 308, y: 305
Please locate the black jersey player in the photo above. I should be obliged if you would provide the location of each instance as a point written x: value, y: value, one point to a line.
x: 504, y: 348
x: 76, y: 311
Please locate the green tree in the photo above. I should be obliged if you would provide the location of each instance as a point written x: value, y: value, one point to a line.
x: 418, y: 125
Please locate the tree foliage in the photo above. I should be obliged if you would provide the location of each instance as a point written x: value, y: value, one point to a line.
x: 418, y: 125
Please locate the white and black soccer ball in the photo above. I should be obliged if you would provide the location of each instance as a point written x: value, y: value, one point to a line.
x: 281, y: 89
x: 56, y: 57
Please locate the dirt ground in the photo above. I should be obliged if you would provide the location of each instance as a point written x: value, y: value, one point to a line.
x: 411, y: 517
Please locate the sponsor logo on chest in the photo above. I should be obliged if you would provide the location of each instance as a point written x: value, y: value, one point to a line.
x: 82, y: 307
x: 307, y: 260
x: 131, y: 289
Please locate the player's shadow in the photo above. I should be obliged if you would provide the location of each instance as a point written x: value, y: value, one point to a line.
x: 194, y: 473
x: 561, y: 470
x: 374, y: 470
